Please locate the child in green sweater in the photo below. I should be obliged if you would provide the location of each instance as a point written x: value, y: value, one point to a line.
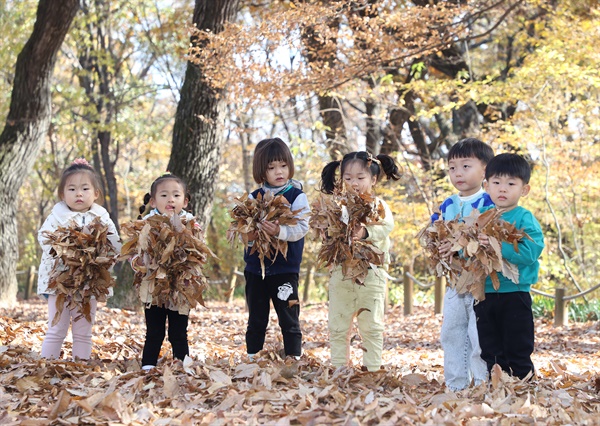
x: 505, y: 318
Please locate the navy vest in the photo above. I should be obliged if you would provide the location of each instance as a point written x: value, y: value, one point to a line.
x: 280, y: 265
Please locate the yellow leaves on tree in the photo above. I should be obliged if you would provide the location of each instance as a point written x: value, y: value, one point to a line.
x: 173, y: 253
x: 249, y: 213
x: 468, y: 262
x: 333, y: 219
x: 83, y: 256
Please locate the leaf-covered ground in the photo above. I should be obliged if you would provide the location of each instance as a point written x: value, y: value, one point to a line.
x: 219, y: 386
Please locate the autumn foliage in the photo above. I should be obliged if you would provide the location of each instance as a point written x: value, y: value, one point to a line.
x: 83, y: 256
x: 334, y: 219
x: 469, y: 263
x: 172, y: 252
x: 247, y: 216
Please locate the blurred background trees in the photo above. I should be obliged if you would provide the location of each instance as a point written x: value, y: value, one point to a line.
x: 406, y: 78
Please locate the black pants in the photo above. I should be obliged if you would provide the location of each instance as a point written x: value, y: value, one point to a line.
x: 156, y: 319
x: 280, y: 289
x: 506, y: 335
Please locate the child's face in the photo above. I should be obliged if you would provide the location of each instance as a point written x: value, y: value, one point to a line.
x: 79, y: 192
x: 505, y: 191
x: 466, y: 174
x: 170, y: 197
x: 359, y: 178
x: 278, y: 173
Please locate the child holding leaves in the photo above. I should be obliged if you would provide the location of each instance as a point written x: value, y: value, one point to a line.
x: 505, y: 318
x: 273, y: 278
x: 359, y: 295
x: 78, y: 189
x: 467, y: 162
x: 168, y: 254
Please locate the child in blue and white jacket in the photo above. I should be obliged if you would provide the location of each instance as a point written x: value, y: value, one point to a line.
x: 467, y: 161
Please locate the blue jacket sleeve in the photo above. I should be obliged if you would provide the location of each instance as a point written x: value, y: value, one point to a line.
x: 443, y: 208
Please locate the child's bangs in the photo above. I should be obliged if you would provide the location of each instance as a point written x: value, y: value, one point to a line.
x: 276, y: 153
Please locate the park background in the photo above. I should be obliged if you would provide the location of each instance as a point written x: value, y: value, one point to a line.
x: 405, y: 78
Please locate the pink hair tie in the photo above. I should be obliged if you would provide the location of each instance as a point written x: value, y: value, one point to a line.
x: 81, y: 162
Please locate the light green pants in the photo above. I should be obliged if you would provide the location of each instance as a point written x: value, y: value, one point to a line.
x: 346, y: 299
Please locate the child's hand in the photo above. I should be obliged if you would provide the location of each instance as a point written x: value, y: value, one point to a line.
x: 359, y: 232
x: 445, y: 248
x: 138, y: 262
x: 271, y: 228
x: 484, y: 240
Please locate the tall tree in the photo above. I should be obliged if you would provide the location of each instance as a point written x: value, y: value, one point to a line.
x: 115, y: 65
x: 320, y: 52
x: 197, y: 134
x: 27, y: 125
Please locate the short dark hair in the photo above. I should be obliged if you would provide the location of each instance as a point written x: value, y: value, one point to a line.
x: 267, y: 151
x: 508, y: 164
x: 471, y: 148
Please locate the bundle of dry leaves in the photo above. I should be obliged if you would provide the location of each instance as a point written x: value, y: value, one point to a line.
x: 83, y: 256
x: 249, y: 213
x: 173, y: 253
x: 468, y: 262
x: 334, y: 219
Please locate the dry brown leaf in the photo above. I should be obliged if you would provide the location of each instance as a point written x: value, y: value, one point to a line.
x: 63, y: 401
x: 496, y: 376
x: 170, y: 385
x: 289, y: 371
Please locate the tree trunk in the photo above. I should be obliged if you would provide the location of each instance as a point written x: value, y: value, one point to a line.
x: 197, y: 132
x: 246, y: 162
x: 27, y: 125
x: 108, y: 165
x: 373, y: 128
x: 319, y: 50
x: 98, y: 77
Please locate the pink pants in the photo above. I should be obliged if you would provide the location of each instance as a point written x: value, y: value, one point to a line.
x: 81, y: 330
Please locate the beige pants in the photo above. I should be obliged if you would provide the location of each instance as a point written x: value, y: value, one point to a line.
x: 346, y: 299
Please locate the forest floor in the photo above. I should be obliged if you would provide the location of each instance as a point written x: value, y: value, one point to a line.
x: 218, y: 385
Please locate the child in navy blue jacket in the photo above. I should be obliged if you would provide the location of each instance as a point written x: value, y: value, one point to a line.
x: 273, y: 169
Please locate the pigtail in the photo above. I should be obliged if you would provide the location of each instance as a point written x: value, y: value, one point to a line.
x: 389, y: 167
x: 328, y: 177
x: 143, y: 207
x: 190, y: 207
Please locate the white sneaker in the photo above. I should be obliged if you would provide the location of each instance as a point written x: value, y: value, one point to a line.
x: 147, y: 367
x: 251, y: 357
